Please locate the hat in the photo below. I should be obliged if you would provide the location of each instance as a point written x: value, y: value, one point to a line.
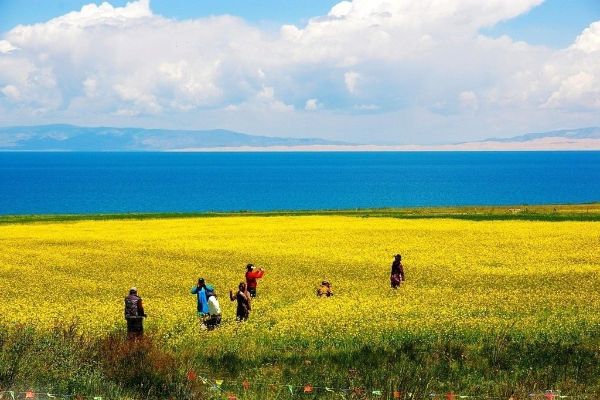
x: 250, y: 266
x: 133, y: 289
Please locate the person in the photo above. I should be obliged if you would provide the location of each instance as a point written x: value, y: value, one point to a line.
x: 325, y: 289
x: 251, y: 277
x: 214, y: 311
x: 397, y: 274
x: 200, y: 291
x: 134, y: 314
x: 243, y: 302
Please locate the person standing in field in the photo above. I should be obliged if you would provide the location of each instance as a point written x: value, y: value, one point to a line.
x: 325, y: 289
x: 134, y: 314
x: 251, y: 277
x: 200, y: 291
x: 397, y: 274
x: 214, y: 311
x: 243, y: 302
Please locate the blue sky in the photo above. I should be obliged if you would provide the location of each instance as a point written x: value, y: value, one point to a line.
x: 394, y: 71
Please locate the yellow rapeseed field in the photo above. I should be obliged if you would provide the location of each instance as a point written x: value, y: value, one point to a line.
x: 462, y: 276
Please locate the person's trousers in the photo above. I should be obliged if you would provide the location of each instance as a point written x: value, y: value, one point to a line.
x: 135, y: 327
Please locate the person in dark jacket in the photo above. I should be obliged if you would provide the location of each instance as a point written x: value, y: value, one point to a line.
x: 397, y: 274
x: 243, y: 302
x: 134, y: 314
x: 252, y: 274
x: 325, y: 289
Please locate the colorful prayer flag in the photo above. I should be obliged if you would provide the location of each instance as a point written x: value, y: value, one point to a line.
x: 291, y: 388
x: 376, y: 393
x: 50, y: 396
x: 328, y: 389
x: 308, y: 389
x: 246, y: 384
x: 232, y: 397
x: 450, y: 396
x: 219, y: 382
x: 97, y: 398
x: 549, y: 396
x: 397, y: 394
x: 29, y: 394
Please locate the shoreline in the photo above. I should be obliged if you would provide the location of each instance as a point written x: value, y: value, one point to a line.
x: 545, y: 212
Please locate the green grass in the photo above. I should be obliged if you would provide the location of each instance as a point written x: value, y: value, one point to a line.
x: 562, y: 212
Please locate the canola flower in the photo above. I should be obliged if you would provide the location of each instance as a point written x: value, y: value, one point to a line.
x: 463, y: 277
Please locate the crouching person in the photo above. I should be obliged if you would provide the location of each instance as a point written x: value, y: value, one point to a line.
x: 134, y: 314
x: 214, y: 311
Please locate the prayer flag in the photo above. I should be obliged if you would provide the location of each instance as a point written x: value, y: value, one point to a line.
x: 50, y: 396
x: 246, y: 384
x: 308, y: 389
x: 450, y: 396
x: 376, y: 392
x: 549, y: 396
x: 12, y: 394
x: 232, y: 397
x: 291, y: 388
x: 328, y: 389
x: 219, y: 382
x: 29, y: 394
x: 397, y: 394
x: 97, y: 398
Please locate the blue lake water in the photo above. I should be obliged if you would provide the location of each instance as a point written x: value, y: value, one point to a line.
x: 33, y: 183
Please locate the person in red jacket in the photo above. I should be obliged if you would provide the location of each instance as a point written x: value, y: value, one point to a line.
x: 251, y: 276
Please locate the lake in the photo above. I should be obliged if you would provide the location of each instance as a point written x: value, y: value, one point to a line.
x: 45, y: 183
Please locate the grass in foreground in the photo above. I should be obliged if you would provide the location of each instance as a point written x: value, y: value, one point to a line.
x: 490, y: 307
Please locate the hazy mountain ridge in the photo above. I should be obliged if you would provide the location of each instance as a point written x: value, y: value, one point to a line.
x: 580, y: 133
x: 59, y: 137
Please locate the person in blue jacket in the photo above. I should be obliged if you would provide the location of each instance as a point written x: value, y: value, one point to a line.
x: 200, y: 291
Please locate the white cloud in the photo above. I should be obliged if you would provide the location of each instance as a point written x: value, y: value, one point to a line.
x: 468, y: 100
x: 589, y: 40
x: 582, y: 89
x: 12, y: 92
x: 351, y: 79
x: 423, y: 61
x: 312, y: 104
x: 6, y: 47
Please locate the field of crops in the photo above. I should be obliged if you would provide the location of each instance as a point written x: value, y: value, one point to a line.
x: 466, y: 280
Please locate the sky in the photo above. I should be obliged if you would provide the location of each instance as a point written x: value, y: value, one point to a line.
x: 364, y: 71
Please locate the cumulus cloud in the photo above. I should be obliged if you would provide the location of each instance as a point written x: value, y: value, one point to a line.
x: 425, y: 61
x: 312, y: 105
x: 6, y: 47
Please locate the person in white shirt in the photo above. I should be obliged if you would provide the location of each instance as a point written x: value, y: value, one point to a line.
x: 214, y: 312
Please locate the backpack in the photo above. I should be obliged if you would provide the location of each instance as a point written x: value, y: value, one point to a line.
x: 131, y: 306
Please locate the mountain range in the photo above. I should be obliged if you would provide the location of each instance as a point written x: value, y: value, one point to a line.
x: 76, y: 138
x: 61, y: 137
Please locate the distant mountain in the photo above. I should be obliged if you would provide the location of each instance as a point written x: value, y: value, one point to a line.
x: 581, y: 133
x: 78, y: 138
